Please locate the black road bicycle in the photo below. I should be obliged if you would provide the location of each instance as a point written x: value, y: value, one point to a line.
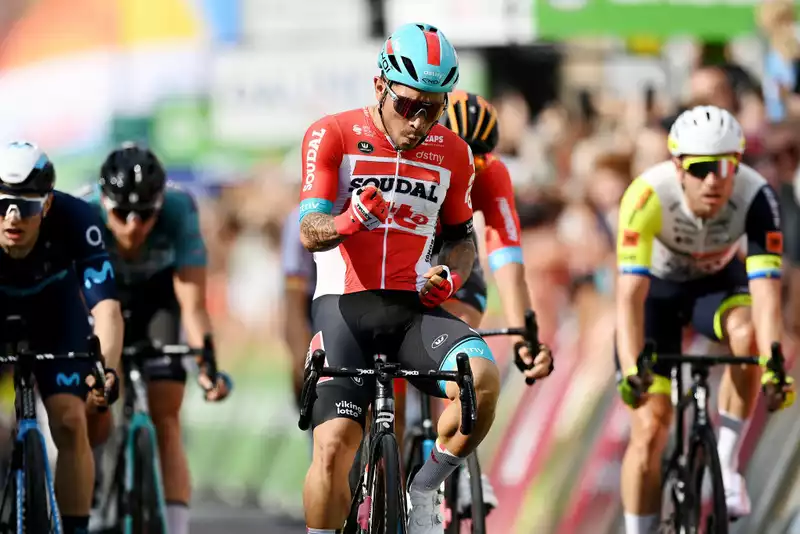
x: 683, y: 510
x: 420, y: 440
x: 29, y: 503
x: 379, y: 501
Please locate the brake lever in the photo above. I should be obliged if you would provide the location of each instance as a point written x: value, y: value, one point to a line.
x: 309, y: 394
x: 532, y: 340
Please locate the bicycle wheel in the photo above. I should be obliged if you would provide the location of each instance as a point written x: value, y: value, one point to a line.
x: 700, y: 519
x: 387, y: 512
x: 36, y: 512
x: 146, y: 497
x: 476, y: 512
x: 473, y: 518
x: 672, y: 498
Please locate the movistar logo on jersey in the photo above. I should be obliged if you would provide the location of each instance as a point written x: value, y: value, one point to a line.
x: 92, y: 277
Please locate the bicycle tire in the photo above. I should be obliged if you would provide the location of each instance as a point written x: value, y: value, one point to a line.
x: 388, y: 510
x: 145, y: 506
x: 703, y: 458
x: 36, y: 513
x: 473, y: 519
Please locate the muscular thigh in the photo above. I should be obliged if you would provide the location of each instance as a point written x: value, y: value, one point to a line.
x: 432, y: 341
x: 338, y: 397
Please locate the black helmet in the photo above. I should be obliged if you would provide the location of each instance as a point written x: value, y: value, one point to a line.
x: 474, y: 119
x: 132, y: 177
x: 25, y: 169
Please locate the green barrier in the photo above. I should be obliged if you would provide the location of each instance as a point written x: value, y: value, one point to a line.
x: 714, y: 20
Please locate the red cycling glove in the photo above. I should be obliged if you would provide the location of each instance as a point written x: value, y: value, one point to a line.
x: 438, y: 294
x: 367, y: 210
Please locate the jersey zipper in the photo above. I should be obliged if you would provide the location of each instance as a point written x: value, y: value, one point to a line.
x: 389, y: 219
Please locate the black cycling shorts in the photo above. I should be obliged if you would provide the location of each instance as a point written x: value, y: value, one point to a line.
x: 353, y: 328
x: 56, y: 320
x: 473, y: 292
x: 670, y: 306
x: 151, y: 311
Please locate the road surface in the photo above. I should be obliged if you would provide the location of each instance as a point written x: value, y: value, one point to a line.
x: 217, y: 519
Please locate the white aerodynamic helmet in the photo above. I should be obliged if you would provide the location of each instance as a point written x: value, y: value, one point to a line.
x: 705, y: 131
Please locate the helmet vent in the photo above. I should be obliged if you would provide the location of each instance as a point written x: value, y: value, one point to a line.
x: 410, y: 68
x: 450, y: 74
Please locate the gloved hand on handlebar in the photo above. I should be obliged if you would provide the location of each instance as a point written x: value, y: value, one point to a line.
x: 536, y: 366
x: 219, y: 388
x: 367, y: 211
x: 633, y: 387
x: 440, y: 286
x: 98, y: 399
x: 777, y: 398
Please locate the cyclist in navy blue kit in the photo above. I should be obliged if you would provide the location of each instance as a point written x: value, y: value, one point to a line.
x: 55, y: 273
x: 153, y: 235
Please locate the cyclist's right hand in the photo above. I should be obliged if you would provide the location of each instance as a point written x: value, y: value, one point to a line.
x: 367, y: 210
x: 633, y: 387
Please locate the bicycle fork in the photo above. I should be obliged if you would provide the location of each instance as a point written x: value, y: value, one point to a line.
x: 140, y: 420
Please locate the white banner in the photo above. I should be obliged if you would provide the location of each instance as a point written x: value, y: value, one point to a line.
x: 266, y: 98
x: 468, y: 22
x: 263, y: 98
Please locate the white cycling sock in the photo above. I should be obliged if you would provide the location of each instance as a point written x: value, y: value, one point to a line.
x: 729, y: 440
x: 178, y: 518
x: 321, y: 531
x: 640, y: 524
x: 439, y: 466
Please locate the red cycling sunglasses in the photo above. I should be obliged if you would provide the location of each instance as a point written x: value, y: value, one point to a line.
x: 409, y: 108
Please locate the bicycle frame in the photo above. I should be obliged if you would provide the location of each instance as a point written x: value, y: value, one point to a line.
x: 136, y: 415
x: 27, y: 422
x: 697, y: 396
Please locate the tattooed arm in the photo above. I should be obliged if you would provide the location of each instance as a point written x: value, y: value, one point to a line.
x: 318, y: 232
x: 458, y: 255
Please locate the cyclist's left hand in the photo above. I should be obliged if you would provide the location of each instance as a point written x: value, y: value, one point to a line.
x: 97, y: 399
x: 440, y: 285
x: 542, y: 362
x: 214, y: 392
x: 777, y: 399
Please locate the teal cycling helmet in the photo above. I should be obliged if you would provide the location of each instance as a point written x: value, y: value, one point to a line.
x: 420, y: 56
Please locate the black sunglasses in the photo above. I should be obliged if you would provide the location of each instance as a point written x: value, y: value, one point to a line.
x: 145, y: 214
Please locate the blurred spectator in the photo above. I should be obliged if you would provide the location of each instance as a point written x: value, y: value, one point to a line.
x: 709, y: 85
x: 650, y: 146
x: 776, y: 19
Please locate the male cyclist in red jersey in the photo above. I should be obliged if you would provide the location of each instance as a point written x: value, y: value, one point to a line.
x: 376, y: 290
x: 475, y: 120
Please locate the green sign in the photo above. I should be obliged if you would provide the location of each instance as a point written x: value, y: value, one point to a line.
x: 714, y: 20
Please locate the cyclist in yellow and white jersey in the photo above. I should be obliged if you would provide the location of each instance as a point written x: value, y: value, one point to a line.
x: 682, y: 224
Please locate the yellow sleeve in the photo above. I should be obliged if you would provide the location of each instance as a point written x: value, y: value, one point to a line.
x: 639, y: 224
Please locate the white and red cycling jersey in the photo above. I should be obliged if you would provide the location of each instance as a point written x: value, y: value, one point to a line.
x: 346, y: 151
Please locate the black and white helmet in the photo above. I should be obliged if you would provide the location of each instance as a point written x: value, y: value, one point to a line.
x: 133, y: 177
x: 705, y: 131
x: 25, y: 169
